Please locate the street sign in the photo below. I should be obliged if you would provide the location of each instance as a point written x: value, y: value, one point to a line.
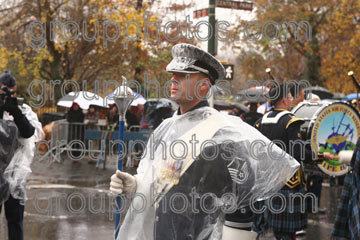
x: 229, y: 71
x: 201, y: 13
x: 236, y: 5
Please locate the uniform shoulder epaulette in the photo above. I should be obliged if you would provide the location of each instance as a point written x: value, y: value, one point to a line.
x: 293, y: 120
x: 275, y: 119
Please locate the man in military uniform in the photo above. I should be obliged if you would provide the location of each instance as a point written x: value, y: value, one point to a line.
x: 281, y: 125
x: 168, y: 212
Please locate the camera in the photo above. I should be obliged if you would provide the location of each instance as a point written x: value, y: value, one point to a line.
x: 6, y: 93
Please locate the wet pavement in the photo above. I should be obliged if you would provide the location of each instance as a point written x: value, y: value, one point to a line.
x: 70, y: 200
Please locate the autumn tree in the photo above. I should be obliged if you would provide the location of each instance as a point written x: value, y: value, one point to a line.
x: 83, y: 40
x: 71, y: 40
x: 340, y: 50
x: 291, y: 36
x: 160, y: 43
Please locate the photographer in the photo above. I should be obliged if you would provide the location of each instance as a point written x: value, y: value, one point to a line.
x: 13, y: 185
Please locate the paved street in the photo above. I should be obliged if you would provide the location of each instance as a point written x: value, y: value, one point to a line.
x: 71, y: 201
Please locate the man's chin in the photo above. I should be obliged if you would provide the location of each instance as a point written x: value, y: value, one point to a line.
x: 174, y: 97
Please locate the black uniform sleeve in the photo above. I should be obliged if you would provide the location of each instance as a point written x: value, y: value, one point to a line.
x: 298, y: 148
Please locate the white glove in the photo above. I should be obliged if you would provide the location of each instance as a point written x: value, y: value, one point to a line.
x: 345, y: 156
x: 122, y: 182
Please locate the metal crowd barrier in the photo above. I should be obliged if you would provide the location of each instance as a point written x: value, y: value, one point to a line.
x: 80, y: 138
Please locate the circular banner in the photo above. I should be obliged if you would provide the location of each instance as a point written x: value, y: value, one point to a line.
x: 336, y: 128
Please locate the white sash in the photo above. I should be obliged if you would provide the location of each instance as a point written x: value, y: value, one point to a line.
x: 203, y: 131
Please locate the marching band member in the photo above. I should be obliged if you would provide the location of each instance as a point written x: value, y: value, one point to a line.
x: 170, y: 190
x: 283, y: 127
x: 347, y: 221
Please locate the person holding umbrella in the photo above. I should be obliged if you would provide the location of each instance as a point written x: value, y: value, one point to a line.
x: 112, y: 118
x: 92, y: 117
x: 75, y: 113
x: 75, y: 116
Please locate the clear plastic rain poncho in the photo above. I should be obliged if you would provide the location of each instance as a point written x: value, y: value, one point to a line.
x: 19, y: 167
x: 8, y: 145
x: 214, y: 164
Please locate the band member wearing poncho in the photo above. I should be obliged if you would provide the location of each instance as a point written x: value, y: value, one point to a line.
x: 198, y: 164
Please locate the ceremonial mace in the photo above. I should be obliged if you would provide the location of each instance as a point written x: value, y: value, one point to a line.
x: 357, y: 85
x: 268, y: 71
x: 122, y: 101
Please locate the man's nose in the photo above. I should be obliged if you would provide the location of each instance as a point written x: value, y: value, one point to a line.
x: 174, y: 80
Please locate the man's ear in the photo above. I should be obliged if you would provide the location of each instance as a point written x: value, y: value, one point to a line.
x: 205, y: 86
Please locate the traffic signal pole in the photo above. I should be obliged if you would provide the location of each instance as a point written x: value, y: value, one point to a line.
x: 211, y: 41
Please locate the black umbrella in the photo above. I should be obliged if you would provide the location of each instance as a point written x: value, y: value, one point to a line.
x: 252, y: 95
x: 241, y: 107
x: 156, y: 110
x: 156, y: 103
x: 322, y: 92
x: 219, y: 105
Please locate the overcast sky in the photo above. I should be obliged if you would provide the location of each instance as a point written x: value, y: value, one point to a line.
x: 224, y: 14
